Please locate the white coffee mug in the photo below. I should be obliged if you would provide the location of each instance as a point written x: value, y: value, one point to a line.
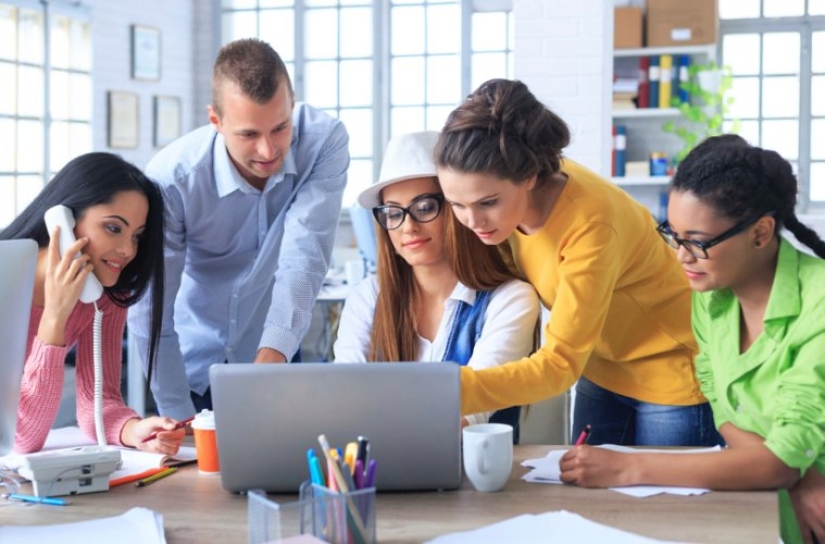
x: 354, y: 271
x: 488, y: 455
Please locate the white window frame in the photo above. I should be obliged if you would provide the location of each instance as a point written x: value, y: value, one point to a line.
x: 382, y: 57
x: 805, y: 25
x: 48, y: 9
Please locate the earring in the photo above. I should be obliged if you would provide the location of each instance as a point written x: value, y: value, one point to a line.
x: 757, y: 243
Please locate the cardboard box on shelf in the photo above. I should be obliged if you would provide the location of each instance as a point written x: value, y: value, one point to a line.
x: 627, y: 27
x: 676, y: 22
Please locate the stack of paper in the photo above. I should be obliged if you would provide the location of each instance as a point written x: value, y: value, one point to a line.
x: 546, y: 471
x: 137, y: 526
x: 561, y: 526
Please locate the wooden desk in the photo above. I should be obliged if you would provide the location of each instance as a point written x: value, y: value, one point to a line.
x: 196, y: 508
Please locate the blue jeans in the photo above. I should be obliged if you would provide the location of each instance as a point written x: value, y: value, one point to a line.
x: 616, y: 419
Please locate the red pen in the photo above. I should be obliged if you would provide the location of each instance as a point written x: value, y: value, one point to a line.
x: 178, y: 425
x: 582, y: 439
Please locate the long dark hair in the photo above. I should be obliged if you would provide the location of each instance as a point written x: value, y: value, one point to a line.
x: 93, y: 179
x: 739, y: 180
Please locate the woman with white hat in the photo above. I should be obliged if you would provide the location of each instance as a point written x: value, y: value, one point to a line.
x: 440, y: 293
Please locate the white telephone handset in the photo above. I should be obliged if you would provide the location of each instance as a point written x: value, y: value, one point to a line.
x: 62, y: 216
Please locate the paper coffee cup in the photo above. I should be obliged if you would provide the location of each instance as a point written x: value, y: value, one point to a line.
x: 206, y: 442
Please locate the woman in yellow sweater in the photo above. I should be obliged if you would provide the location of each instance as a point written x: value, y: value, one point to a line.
x: 620, y: 304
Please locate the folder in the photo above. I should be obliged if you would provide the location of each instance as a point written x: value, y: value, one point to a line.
x: 665, y: 80
x: 653, y: 79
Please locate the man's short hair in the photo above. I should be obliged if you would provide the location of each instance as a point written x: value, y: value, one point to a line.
x: 251, y: 64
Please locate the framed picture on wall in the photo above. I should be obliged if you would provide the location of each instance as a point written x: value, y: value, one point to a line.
x: 167, y: 117
x: 123, y: 119
x: 145, y: 53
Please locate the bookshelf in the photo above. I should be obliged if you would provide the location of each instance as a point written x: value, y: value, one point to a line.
x: 643, y: 132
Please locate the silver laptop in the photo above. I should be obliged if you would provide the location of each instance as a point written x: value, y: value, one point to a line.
x: 18, y: 258
x: 268, y: 415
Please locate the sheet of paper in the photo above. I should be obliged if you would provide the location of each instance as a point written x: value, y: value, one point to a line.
x: 560, y: 526
x: 136, y: 526
x: 546, y: 471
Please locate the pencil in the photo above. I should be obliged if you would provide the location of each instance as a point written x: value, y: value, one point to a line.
x: 155, y: 477
x: 135, y: 477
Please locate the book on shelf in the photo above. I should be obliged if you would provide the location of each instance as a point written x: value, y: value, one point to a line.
x: 644, y: 82
x: 683, y: 74
x: 619, y: 150
x: 624, y: 101
x: 625, y: 85
x: 637, y: 169
x: 653, y: 75
x: 665, y: 80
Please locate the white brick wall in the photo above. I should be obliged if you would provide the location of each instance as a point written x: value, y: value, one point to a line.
x: 563, y: 52
x: 112, y: 69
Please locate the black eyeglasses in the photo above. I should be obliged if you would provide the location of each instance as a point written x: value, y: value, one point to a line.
x: 700, y: 249
x: 423, y: 209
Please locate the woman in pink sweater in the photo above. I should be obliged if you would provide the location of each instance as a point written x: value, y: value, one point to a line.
x: 119, y: 231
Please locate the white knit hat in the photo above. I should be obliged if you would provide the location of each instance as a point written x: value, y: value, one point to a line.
x: 407, y: 156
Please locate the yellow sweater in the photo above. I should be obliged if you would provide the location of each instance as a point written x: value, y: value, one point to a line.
x: 619, y: 301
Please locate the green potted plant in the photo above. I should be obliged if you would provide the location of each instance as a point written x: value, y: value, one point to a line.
x: 703, y: 115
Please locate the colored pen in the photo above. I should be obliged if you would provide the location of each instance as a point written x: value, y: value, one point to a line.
x: 363, y: 454
x: 346, y: 472
x: 359, y: 474
x: 582, y: 439
x: 155, y: 477
x: 135, y: 477
x: 39, y: 500
x: 315, y: 472
x: 178, y: 425
x: 369, y: 479
x: 350, y: 454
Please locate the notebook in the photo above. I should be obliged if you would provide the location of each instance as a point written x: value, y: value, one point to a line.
x: 268, y: 415
x: 136, y: 461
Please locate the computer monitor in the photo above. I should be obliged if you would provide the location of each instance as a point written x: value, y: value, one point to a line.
x: 18, y: 258
x: 363, y: 226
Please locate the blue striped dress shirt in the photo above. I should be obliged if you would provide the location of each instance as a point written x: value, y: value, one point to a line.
x: 243, y: 267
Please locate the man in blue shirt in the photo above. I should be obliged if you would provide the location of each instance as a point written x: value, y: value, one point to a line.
x: 252, y: 206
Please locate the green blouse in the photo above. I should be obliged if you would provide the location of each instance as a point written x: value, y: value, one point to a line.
x: 775, y: 389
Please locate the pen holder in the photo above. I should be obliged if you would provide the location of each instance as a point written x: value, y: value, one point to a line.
x: 340, y: 518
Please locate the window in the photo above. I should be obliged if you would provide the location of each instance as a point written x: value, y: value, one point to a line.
x: 432, y: 53
x: 776, y: 49
x: 45, y: 117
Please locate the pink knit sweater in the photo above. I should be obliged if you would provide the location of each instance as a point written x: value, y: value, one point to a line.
x: 43, y: 377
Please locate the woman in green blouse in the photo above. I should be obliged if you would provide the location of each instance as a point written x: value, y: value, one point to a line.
x: 759, y: 320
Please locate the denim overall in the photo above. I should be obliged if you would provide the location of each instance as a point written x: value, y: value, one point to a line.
x: 466, y: 330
